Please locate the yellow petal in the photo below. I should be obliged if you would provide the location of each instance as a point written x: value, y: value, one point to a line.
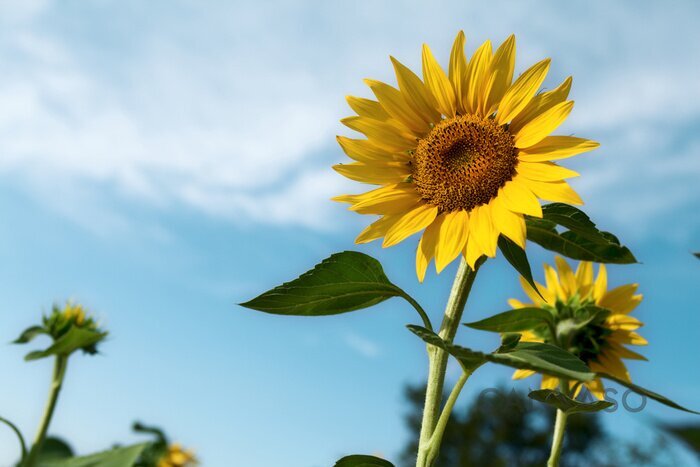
x: 499, y: 76
x: 553, y: 191
x: 536, y: 129
x: 481, y: 229
x: 515, y: 304
x: 395, y: 199
x: 452, y: 238
x: 544, y: 171
x: 621, y: 299
x: 381, y: 134
x: 457, y: 71
x: 530, y: 292
x: 624, y: 352
x: 393, y: 101
x: 438, y: 83
x: 410, y: 223
x: 596, y: 388
x: 362, y: 150
x: 521, y: 92
x: 549, y: 382
x: 367, y: 108
x: 601, y: 284
x: 612, y: 365
x: 541, y: 103
x: 567, y: 280
x: 584, y: 274
x: 556, y: 147
x: 520, y: 374
x: 377, y: 229
x: 427, y: 246
x: 552, y: 281
x: 377, y: 174
x: 507, y: 222
x: 518, y: 198
x: 627, y: 337
x: 472, y: 251
x: 475, y: 76
x: 415, y: 92
x: 623, y: 322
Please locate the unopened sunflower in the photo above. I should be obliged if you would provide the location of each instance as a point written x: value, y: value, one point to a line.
x: 463, y: 154
x: 590, y: 321
x: 177, y: 456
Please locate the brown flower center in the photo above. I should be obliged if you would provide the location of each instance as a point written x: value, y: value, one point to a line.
x: 463, y: 161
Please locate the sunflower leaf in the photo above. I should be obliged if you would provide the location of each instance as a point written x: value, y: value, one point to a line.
x: 517, y: 258
x: 543, y: 358
x: 647, y: 393
x: 343, y: 282
x: 519, y: 319
x: 76, y: 338
x: 565, y: 403
x: 359, y: 460
x: 117, y: 457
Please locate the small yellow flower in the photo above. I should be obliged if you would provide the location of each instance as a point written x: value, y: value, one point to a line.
x: 463, y: 154
x: 177, y: 456
x: 75, y: 312
x: 599, y: 343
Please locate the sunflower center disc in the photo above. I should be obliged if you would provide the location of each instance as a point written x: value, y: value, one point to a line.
x: 463, y: 162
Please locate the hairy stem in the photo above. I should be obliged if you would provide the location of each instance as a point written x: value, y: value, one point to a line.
x: 436, y: 438
x: 558, y: 439
x: 437, y: 358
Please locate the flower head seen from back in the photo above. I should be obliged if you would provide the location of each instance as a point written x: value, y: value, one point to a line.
x: 463, y: 154
x: 591, y: 321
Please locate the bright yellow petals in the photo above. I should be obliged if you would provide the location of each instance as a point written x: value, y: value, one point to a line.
x: 481, y: 230
x: 395, y: 105
x: 438, y: 83
x: 395, y: 199
x: 553, y: 191
x: 362, y: 150
x: 457, y: 71
x: 541, y: 126
x: 596, y: 388
x: 415, y: 92
x: 624, y: 352
x: 499, y: 76
x: 552, y: 281
x: 601, y: 284
x: 619, y: 298
x: 567, y: 280
x: 584, y: 276
x: 540, y: 104
x: 544, y: 171
x: 381, y: 134
x: 520, y: 374
x: 507, y: 222
x: 519, y: 199
x: 556, y: 147
x: 390, y: 172
x: 453, y: 234
x: 367, y: 108
x: 612, y: 365
x: 377, y: 229
x: 623, y: 322
x: 522, y: 91
x: 427, y: 246
x: 530, y: 292
x: 549, y: 382
x: 476, y: 72
x: 410, y: 223
x: 515, y: 304
x: 472, y: 252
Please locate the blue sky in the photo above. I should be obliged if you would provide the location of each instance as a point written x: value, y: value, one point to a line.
x: 162, y: 161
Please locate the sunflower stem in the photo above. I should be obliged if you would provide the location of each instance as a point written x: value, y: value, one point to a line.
x: 559, y: 429
x: 59, y: 371
x: 437, y: 360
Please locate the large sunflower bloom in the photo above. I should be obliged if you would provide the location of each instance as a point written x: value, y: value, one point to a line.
x: 463, y: 154
x: 600, y: 343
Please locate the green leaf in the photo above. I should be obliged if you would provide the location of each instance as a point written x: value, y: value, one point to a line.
x: 76, y: 338
x: 29, y: 334
x: 359, y: 460
x: 543, y: 358
x: 647, y: 393
x: 520, y: 319
x: 582, y: 240
x: 117, y: 457
x: 518, y: 259
x: 54, y: 449
x: 343, y: 282
x: 565, y: 403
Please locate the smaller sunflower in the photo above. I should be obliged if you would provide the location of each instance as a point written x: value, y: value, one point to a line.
x: 177, y: 456
x: 575, y: 300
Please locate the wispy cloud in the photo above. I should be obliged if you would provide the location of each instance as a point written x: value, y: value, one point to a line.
x: 362, y: 345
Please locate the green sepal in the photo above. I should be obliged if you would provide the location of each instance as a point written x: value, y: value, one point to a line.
x: 75, y: 338
x: 582, y: 240
x: 519, y: 319
x: 565, y: 403
x: 646, y: 393
x: 29, y: 334
x: 517, y: 258
x: 536, y: 356
x: 360, y: 460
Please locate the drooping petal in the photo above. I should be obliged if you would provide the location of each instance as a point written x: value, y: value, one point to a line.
x: 544, y: 171
x: 377, y: 229
x: 395, y: 105
x: 475, y: 76
x: 481, y: 229
x: 499, y: 76
x: 518, y: 198
x: 507, y: 222
x: 543, y: 125
x: 541, y: 103
x: 374, y: 173
x: 549, y: 382
x: 415, y: 92
x: 452, y: 238
x: 438, y: 83
x: 624, y: 322
x: 367, y: 108
x: 427, y: 246
x: 612, y: 365
x: 556, y: 147
x: 531, y: 293
x: 457, y: 71
x: 520, y: 374
x: 596, y: 388
x: 621, y: 299
x: 411, y: 222
x: 553, y: 191
x: 624, y: 352
x: 515, y: 304
x: 627, y: 337
x: 522, y: 91
x: 472, y: 251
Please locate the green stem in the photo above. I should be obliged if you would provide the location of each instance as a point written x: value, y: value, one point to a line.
x: 59, y: 371
x: 437, y: 358
x: 436, y: 438
x: 559, y: 429
x: 22, y: 445
x: 421, y: 312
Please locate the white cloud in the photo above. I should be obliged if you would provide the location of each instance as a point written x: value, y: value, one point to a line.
x: 362, y: 345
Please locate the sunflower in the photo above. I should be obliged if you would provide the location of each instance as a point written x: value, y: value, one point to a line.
x: 598, y: 337
x: 177, y: 456
x: 463, y: 154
